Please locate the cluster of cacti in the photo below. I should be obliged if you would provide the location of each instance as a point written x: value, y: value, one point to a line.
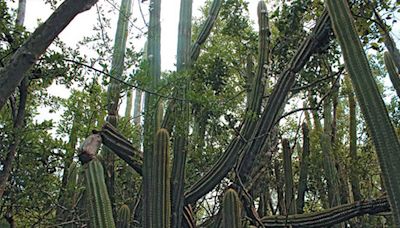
x: 156, y: 168
x: 372, y: 106
x: 231, y: 210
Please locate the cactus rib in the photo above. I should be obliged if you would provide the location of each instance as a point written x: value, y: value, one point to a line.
x: 158, y: 189
x: 123, y: 219
x: 99, y: 203
x: 231, y: 210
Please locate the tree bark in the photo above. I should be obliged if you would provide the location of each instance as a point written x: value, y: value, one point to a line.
x: 23, y: 59
x: 18, y: 126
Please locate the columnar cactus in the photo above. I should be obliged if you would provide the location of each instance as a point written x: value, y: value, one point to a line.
x: 256, y: 94
x: 157, y: 191
x: 206, y: 29
x: 151, y: 120
x: 123, y: 216
x: 114, y: 88
x: 182, y: 113
x: 231, y: 209
x: 393, y: 74
x: 288, y: 175
x: 302, y: 187
x: 99, y: 203
x: 372, y: 106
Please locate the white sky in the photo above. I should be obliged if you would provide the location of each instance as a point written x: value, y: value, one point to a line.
x: 82, y: 25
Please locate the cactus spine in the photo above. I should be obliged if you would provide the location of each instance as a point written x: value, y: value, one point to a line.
x: 158, y: 191
x: 99, y: 203
x: 231, y: 210
x: 123, y: 219
x: 374, y: 111
x: 393, y: 75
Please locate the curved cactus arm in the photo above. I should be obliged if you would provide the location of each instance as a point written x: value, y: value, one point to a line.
x: 121, y: 146
x: 231, y: 210
x: 287, y: 78
x: 372, y: 106
x: 330, y: 216
x: 206, y: 29
x: 393, y: 74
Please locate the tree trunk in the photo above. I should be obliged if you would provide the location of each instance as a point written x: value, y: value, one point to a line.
x: 16, y: 135
x: 23, y: 59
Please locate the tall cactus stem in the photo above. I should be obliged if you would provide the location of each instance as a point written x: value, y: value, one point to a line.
x: 257, y: 87
x: 151, y: 105
x: 114, y: 88
x: 288, y: 174
x: 182, y: 113
x: 372, y: 106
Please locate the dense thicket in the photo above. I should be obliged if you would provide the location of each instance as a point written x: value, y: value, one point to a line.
x: 291, y: 119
